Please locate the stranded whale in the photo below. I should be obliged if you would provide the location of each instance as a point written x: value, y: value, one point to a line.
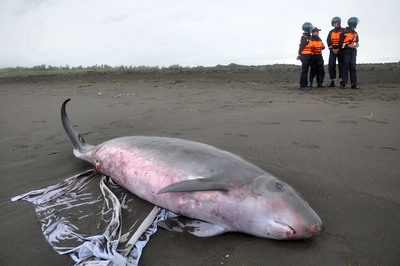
x: 218, y: 190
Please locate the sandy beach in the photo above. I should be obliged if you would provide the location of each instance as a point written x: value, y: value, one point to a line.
x: 340, y: 149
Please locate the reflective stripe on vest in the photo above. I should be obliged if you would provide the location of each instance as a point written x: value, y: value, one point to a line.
x: 307, y: 49
x: 316, y: 47
x: 350, y: 38
x: 335, y: 37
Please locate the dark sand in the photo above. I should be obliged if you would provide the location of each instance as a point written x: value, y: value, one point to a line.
x: 339, y: 148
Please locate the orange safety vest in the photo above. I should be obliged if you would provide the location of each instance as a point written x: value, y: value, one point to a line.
x: 350, y: 38
x: 316, y: 46
x: 335, y: 37
x: 307, y: 49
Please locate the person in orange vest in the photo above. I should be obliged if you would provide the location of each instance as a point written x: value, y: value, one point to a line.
x: 349, y: 42
x: 335, y: 52
x: 304, y: 55
x: 317, y: 61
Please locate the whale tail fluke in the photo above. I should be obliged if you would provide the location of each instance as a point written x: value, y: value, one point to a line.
x: 82, y: 150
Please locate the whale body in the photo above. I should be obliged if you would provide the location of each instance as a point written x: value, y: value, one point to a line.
x: 219, y: 191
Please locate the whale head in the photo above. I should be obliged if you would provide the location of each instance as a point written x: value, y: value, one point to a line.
x: 281, y: 212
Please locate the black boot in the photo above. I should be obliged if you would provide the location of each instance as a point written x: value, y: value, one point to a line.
x: 332, y: 84
x: 354, y: 86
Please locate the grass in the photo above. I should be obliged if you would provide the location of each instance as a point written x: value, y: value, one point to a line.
x: 43, y: 69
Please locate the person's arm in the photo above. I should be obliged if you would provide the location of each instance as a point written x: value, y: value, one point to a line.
x: 303, y: 44
x: 341, y: 40
x: 357, y: 40
x: 329, y: 41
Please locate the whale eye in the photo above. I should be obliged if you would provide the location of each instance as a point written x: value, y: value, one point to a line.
x: 279, y: 185
x: 263, y: 185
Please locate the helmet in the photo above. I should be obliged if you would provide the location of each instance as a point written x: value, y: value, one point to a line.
x: 307, y: 26
x: 336, y: 19
x: 353, y: 21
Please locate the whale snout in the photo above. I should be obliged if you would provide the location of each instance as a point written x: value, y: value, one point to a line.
x: 316, y: 229
x: 309, y: 231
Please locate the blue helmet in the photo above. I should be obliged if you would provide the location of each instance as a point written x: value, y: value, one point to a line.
x: 353, y: 21
x: 307, y: 26
x: 336, y: 19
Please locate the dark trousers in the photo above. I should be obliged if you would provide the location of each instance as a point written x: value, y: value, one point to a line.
x: 305, y: 65
x: 332, y: 64
x: 317, y: 68
x: 349, y: 64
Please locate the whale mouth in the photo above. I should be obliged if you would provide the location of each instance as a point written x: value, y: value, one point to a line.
x: 291, y: 228
x: 287, y: 230
x: 288, y: 226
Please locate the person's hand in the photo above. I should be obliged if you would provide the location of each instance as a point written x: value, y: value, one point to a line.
x: 335, y: 51
x: 353, y: 45
x: 298, y: 57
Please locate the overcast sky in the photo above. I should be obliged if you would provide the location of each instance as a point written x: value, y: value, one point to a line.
x: 184, y: 32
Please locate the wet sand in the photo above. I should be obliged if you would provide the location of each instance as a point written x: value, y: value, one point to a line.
x: 340, y: 149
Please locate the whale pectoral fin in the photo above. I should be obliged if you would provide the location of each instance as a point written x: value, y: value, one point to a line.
x: 194, y: 227
x: 203, y: 184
